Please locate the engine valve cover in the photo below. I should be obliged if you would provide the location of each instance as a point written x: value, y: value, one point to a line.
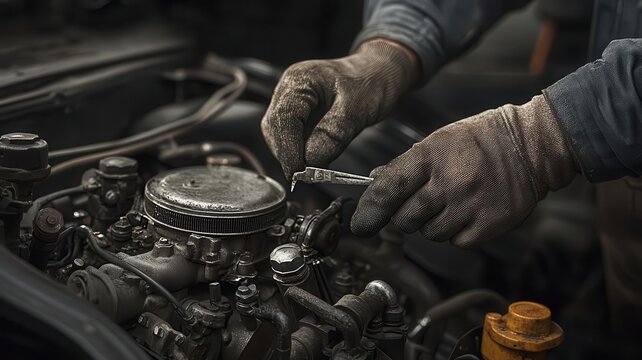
x: 214, y: 200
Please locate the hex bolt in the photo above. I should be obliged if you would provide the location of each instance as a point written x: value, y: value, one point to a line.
x: 287, y: 259
x: 118, y: 165
x: 246, y: 298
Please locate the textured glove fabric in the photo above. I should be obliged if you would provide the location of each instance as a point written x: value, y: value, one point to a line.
x: 352, y: 92
x: 472, y: 179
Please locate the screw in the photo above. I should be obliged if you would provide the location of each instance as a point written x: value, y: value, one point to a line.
x: 163, y: 241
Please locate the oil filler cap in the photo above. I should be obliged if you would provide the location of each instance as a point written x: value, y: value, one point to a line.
x: 525, y: 332
x: 215, y: 200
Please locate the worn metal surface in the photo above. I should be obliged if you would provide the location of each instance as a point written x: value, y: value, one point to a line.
x: 313, y: 175
x: 215, y: 200
x: 525, y: 332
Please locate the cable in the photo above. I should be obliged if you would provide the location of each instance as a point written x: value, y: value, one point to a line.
x: 73, y: 247
x: 206, y: 148
x: 216, y: 104
x: 88, y: 234
x: 45, y: 199
x: 453, y: 306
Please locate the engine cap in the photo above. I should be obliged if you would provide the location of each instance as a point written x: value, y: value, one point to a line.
x: 214, y: 200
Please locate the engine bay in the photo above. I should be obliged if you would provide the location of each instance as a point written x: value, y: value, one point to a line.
x: 143, y: 217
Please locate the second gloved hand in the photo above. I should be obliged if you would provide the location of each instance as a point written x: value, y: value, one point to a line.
x: 351, y: 92
x: 473, y: 179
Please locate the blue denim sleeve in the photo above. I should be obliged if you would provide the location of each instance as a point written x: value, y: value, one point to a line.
x: 599, y: 106
x: 436, y: 30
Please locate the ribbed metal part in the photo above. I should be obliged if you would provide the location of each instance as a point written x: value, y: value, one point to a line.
x: 214, y: 201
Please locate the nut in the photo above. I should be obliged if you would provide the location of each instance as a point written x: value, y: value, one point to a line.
x: 247, y: 294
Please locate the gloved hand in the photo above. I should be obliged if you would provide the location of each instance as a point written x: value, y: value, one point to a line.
x: 472, y: 179
x: 353, y: 92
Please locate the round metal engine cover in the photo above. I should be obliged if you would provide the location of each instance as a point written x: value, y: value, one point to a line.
x: 214, y: 200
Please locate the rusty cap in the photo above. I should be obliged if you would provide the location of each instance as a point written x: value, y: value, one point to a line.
x: 528, y: 318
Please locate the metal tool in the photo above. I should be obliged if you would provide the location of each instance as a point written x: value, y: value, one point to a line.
x: 313, y: 175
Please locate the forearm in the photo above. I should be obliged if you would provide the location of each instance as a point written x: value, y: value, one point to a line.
x: 435, y: 30
x: 599, y: 107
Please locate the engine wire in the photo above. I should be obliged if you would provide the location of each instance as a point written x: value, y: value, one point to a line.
x: 215, y: 105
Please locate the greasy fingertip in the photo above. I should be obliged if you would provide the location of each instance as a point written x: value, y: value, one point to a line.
x: 319, y: 151
x: 364, y: 226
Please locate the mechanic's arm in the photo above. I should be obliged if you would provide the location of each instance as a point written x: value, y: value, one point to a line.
x: 402, y: 44
x: 481, y: 176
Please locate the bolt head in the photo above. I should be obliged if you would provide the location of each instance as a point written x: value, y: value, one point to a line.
x: 118, y: 165
x: 246, y: 294
x: 19, y: 138
x: 287, y: 259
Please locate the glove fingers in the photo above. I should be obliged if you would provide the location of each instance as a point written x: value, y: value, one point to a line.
x: 330, y: 137
x: 419, y: 208
x: 444, y: 225
x: 282, y: 126
x: 392, y: 186
x: 473, y: 234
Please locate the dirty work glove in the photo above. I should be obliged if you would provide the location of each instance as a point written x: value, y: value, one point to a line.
x: 352, y: 92
x: 472, y: 179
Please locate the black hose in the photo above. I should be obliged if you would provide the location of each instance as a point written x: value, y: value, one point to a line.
x: 453, y: 306
x: 87, y: 233
x: 329, y: 314
x: 281, y: 322
x: 73, y: 247
x: 215, y: 105
x: 206, y: 148
x: 45, y: 199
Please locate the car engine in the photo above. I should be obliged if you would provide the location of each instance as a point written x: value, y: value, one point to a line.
x: 142, y: 215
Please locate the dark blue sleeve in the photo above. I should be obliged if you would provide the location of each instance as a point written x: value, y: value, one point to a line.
x: 436, y: 30
x: 599, y: 106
